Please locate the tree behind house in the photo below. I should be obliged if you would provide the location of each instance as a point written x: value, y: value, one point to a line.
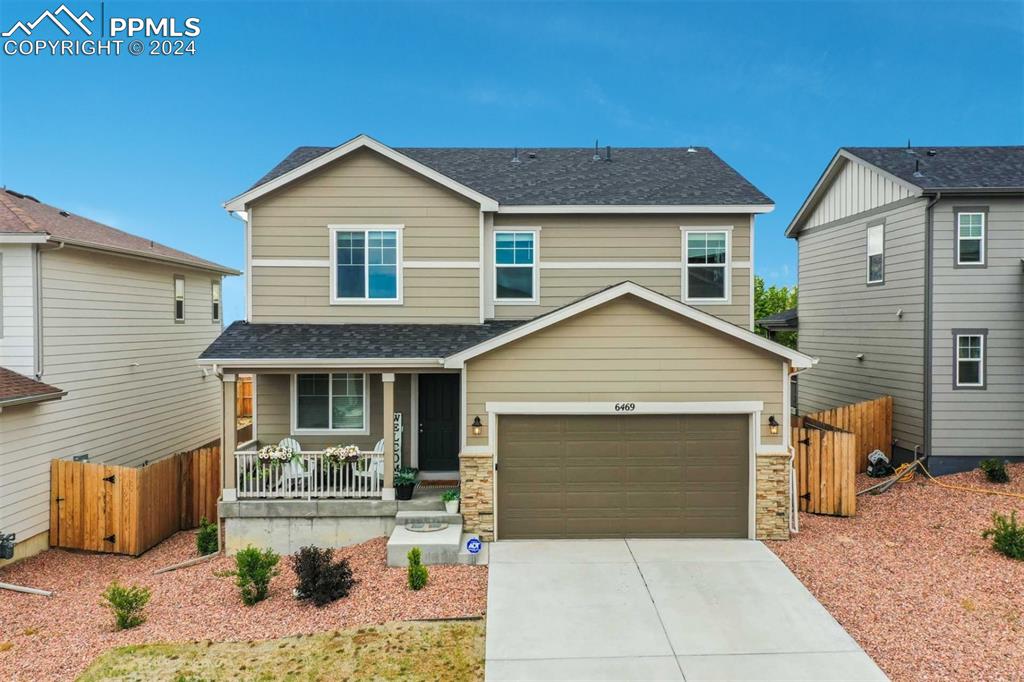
x: 772, y: 300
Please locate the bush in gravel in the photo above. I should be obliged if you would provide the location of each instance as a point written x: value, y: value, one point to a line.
x: 321, y: 580
x: 254, y: 568
x: 207, y: 537
x: 127, y: 604
x: 1007, y: 535
x: 995, y: 470
x: 417, y: 571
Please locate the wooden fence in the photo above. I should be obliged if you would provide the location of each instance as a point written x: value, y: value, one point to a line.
x: 243, y: 396
x: 127, y: 510
x: 871, y: 421
x: 826, y: 470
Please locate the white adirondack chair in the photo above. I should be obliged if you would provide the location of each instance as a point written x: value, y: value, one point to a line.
x: 294, y: 474
x: 363, y: 478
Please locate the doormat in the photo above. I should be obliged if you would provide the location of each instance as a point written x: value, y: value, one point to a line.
x: 439, y: 484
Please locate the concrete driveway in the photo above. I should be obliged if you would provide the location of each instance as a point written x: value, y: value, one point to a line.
x: 658, y: 610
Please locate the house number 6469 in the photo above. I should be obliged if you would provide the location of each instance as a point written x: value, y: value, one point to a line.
x: 625, y: 407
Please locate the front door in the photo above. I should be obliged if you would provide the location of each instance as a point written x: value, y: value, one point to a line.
x: 439, y: 422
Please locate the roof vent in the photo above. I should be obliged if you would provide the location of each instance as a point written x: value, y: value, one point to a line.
x: 597, y: 154
x: 917, y: 169
x: 909, y: 150
x: 20, y: 195
x: 608, y: 153
x: 65, y: 214
x: 932, y: 152
x: 691, y: 149
x: 515, y: 155
x: 532, y: 155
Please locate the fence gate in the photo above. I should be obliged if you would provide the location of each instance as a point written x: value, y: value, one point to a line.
x: 826, y: 471
x: 88, y: 510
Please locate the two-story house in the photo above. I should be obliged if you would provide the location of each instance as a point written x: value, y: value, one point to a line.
x: 99, y: 330
x: 566, y: 331
x: 911, y: 285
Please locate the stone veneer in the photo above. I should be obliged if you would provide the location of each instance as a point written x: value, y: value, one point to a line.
x: 476, y: 472
x: 772, y: 498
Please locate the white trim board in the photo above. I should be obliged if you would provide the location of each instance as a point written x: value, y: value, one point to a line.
x: 639, y: 208
x: 359, y: 142
x: 611, y: 265
x: 327, y: 363
x: 799, y: 360
x: 616, y: 408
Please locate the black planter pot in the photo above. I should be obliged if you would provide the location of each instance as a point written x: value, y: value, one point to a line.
x: 404, y: 492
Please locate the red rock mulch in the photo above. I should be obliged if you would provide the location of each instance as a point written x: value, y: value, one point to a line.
x: 56, y: 638
x: 912, y: 580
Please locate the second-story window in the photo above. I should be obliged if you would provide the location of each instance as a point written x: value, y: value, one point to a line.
x: 179, y: 298
x: 970, y: 241
x: 215, y: 300
x: 515, y: 266
x: 366, y: 265
x: 876, y: 254
x: 707, y: 266
x: 970, y: 360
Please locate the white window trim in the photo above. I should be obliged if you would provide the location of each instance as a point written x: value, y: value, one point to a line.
x: 536, y: 266
x: 980, y: 239
x: 333, y: 230
x: 216, y: 299
x: 727, y: 230
x: 867, y: 258
x: 184, y: 296
x: 981, y: 361
x: 293, y: 408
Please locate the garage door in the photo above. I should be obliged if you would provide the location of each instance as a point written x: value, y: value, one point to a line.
x: 622, y: 476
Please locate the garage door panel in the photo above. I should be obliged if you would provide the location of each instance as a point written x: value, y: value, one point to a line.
x: 623, y: 476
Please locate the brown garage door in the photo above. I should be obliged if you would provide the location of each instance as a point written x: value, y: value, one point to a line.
x: 622, y: 476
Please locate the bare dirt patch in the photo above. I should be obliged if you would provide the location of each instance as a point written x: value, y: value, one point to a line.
x: 407, y: 651
x: 57, y: 638
x: 911, y: 578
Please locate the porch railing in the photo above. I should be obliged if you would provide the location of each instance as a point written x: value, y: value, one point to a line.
x: 309, y: 476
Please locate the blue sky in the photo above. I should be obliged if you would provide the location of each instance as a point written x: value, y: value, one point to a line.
x: 154, y: 145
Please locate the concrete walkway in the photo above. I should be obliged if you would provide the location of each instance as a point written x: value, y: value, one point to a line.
x: 658, y: 610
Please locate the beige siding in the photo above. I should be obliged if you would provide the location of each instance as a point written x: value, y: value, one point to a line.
x: 273, y: 414
x: 856, y: 188
x: 625, y: 350
x: 623, y: 239
x: 135, y: 392
x: 364, y: 188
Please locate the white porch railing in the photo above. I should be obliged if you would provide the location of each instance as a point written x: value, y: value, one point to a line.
x: 309, y: 476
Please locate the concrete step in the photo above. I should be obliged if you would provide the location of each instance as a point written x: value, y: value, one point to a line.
x: 404, y: 517
x: 478, y: 559
x: 423, y: 503
x: 436, y: 547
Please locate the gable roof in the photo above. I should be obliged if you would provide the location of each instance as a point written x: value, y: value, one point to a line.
x: 555, y: 178
x: 799, y: 360
x: 17, y: 389
x: 926, y: 170
x: 27, y: 217
x: 782, y: 321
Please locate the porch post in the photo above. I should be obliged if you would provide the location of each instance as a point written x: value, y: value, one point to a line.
x: 389, y: 436
x: 229, y: 432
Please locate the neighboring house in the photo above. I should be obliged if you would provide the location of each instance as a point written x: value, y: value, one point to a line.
x: 568, y: 332
x: 911, y: 284
x: 98, y: 336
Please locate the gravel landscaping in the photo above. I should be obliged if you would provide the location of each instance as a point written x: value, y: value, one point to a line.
x: 911, y: 578
x: 56, y: 638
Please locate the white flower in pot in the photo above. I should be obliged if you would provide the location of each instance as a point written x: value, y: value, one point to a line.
x: 451, y: 501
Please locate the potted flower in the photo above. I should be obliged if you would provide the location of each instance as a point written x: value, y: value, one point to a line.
x: 341, y: 454
x: 272, y: 457
x: 405, y: 481
x: 451, y: 501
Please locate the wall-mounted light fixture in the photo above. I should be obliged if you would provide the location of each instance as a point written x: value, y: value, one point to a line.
x: 773, y: 425
x: 477, y: 425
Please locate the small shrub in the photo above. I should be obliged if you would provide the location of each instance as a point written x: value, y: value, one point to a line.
x: 254, y: 569
x: 417, y: 571
x: 1007, y: 535
x: 207, y: 537
x: 127, y: 604
x: 995, y: 470
x: 450, y: 495
x: 321, y: 580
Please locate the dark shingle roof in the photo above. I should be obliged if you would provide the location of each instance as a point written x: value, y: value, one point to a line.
x: 649, y: 176
x: 349, y: 341
x: 16, y: 388
x: 23, y: 214
x: 950, y: 168
x: 787, y: 319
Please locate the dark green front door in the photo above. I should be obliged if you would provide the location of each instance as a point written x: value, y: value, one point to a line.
x: 439, y: 422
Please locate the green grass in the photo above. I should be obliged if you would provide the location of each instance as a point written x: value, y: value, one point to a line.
x: 395, y: 651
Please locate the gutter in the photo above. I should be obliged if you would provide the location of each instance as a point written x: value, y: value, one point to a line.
x: 38, y: 398
x: 212, y: 267
x: 929, y: 284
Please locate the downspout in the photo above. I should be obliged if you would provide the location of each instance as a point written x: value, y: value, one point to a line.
x: 929, y: 281
x: 794, y: 500
x: 37, y: 308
